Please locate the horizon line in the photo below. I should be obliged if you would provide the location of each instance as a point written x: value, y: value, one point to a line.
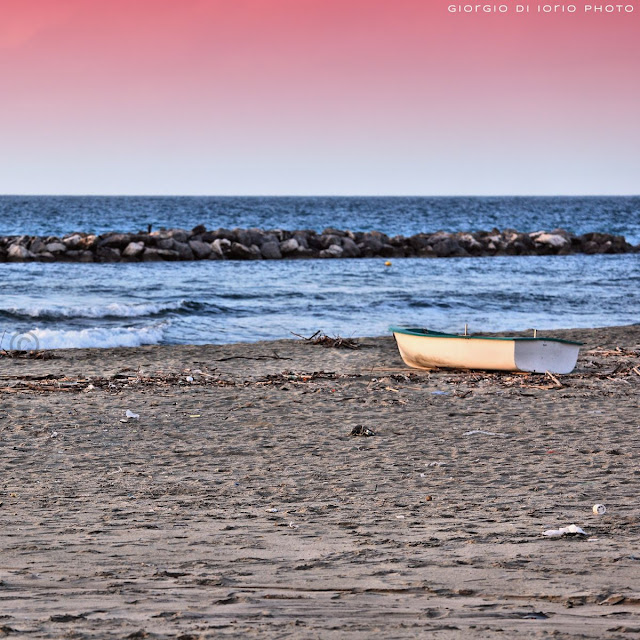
x: 315, y: 195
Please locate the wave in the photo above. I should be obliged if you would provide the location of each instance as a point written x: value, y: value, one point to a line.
x: 112, y: 310
x: 99, y: 337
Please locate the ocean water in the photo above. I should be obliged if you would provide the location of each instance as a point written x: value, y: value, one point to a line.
x: 105, y: 305
x: 43, y: 215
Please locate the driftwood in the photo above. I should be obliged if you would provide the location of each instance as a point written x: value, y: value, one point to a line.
x: 275, y: 356
x: 326, y: 341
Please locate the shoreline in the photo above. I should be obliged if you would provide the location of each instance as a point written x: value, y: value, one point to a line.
x: 279, y: 244
x: 26, y: 350
x: 239, y: 503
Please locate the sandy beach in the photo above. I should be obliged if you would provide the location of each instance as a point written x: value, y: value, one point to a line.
x: 238, y: 504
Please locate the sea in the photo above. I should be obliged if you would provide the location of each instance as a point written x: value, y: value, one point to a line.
x: 58, y: 305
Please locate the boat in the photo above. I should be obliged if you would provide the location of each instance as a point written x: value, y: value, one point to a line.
x: 425, y: 349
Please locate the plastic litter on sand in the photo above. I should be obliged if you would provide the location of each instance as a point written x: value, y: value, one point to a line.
x: 571, y: 530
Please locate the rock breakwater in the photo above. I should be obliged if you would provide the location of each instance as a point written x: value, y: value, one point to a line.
x: 276, y: 244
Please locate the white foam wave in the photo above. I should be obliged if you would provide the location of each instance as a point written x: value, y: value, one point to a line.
x: 112, y: 310
x: 99, y: 337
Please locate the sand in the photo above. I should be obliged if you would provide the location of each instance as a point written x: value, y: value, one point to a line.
x: 238, y: 504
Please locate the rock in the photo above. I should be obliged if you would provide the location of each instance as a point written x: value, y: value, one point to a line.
x: 179, y: 235
x: 438, y: 236
x: 509, y: 236
x: 23, y: 240
x: 160, y: 234
x: 165, y: 243
x: 518, y: 248
x: 589, y: 247
x: 37, y: 246
x: 221, y: 234
x: 239, y: 251
x: 592, y: 243
x: 133, y: 250
x: 220, y: 248
x: 301, y: 237
x: 399, y: 243
x: 271, y: 251
x: 329, y: 240
x: 289, y: 246
x: 419, y: 241
x: 116, y: 240
x: 350, y: 248
x: 270, y: 237
x: 305, y: 253
x: 372, y: 242
x: 603, y: 243
x: 18, y: 253
x: 107, y: 254
x: 152, y: 254
x: 301, y: 252
x: 56, y: 247
x: 620, y: 245
x: 88, y: 242
x: 372, y: 247
x: 74, y: 241
x: 522, y: 244
x: 446, y: 247
x: 469, y: 243
x: 553, y: 240
x: 183, y: 250
x: 201, y: 250
x: 253, y: 243
x: 247, y: 237
x: 389, y: 251
x: 605, y: 248
x: 71, y: 255
x: 334, y: 251
x: 427, y: 252
x: 314, y: 241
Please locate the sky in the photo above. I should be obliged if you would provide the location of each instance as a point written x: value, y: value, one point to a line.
x: 316, y: 97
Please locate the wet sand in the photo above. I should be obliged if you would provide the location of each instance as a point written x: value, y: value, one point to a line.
x: 238, y: 504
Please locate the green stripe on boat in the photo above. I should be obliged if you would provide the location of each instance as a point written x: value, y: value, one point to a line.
x: 427, y: 333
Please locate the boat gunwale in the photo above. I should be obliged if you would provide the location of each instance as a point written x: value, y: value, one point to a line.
x: 428, y: 333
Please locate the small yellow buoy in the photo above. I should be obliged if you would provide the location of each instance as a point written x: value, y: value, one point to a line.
x: 387, y: 263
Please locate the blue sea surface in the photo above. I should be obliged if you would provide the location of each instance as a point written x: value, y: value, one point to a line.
x: 57, y: 215
x: 54, y: 305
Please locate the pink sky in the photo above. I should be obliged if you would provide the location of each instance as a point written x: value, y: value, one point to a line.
x: 315, y: 97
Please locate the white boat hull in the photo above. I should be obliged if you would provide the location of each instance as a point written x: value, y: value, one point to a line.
x: 467, y: 352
